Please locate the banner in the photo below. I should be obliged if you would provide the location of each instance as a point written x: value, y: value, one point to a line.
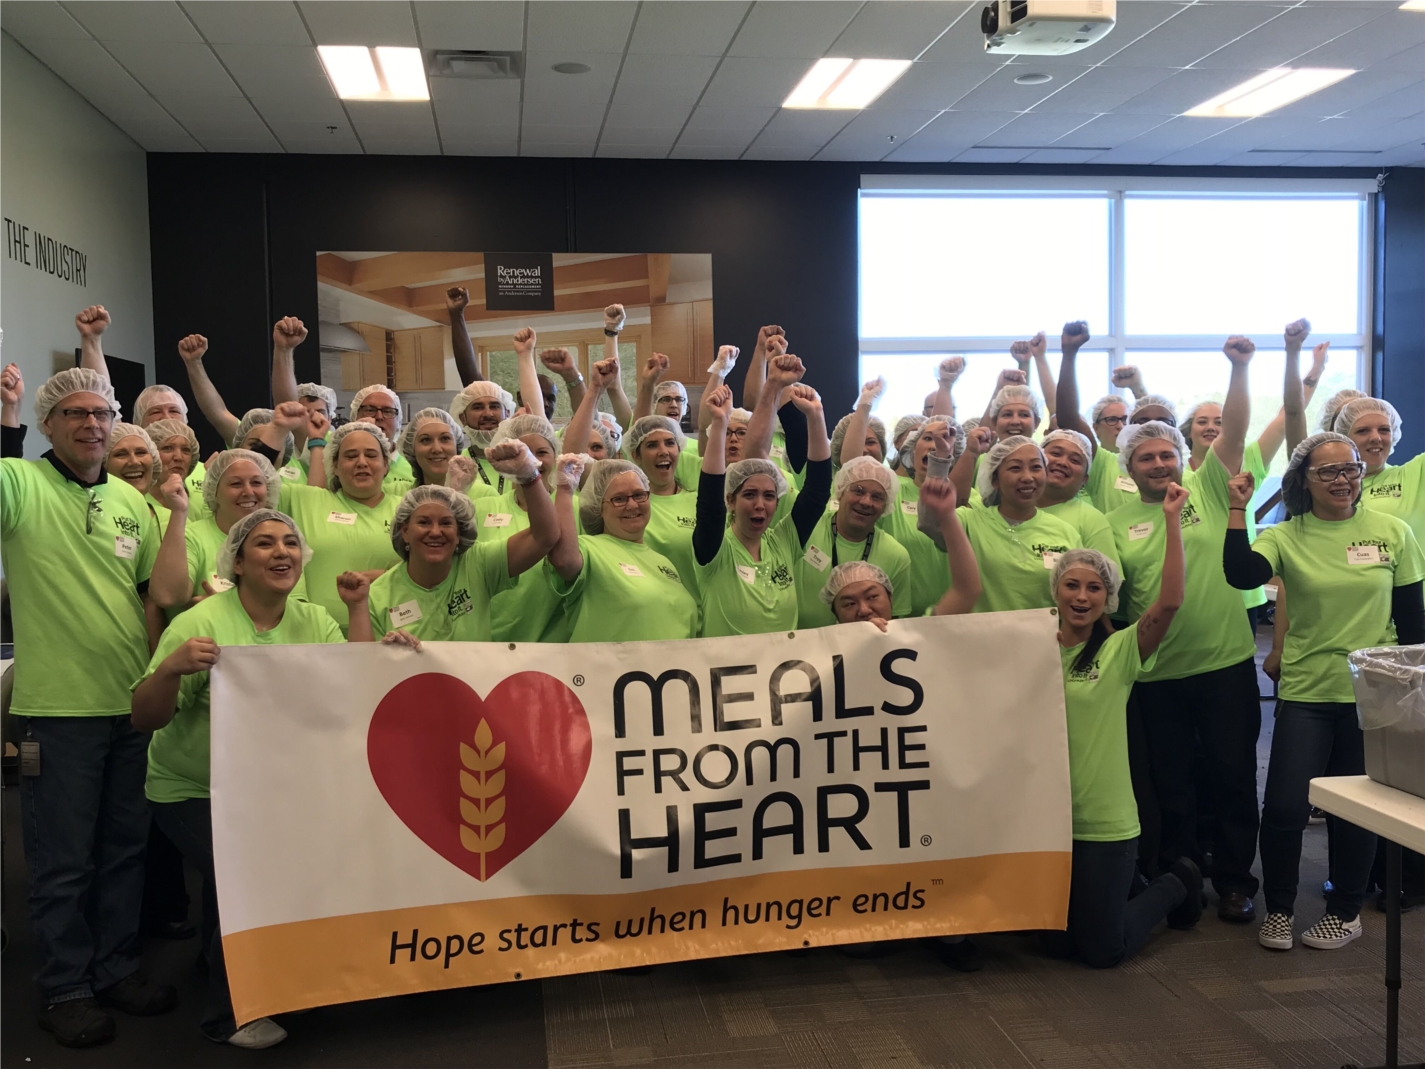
x: 386, y: 821
x: 519, y: 281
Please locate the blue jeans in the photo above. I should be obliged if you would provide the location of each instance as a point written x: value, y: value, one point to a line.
x: 1313, y: 739
x: 85, y: 826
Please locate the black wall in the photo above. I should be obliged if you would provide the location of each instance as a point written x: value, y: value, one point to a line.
x: 234, y: 241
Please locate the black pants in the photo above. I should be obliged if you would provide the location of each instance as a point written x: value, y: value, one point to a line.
x: 1140, y: 769
x: 1313, y: 739
x: 165, y: 897
x: 1220, y: 708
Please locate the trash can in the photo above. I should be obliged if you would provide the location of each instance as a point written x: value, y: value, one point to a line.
x: 1390, y: 703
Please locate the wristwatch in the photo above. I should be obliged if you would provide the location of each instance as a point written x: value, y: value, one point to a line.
x: 610, y: 333
x: 1309, y: 381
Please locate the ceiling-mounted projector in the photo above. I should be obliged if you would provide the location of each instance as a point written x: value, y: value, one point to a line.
x: 1045, y: 27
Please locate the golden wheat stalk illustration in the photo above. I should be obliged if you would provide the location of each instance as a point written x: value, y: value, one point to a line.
x: 484, y: 809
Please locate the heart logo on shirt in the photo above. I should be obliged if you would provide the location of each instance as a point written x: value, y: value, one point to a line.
x: 479, y: 780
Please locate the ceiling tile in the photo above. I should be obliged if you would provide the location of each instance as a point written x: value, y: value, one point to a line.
x: 867, y: 137
x: 991, y: 155
x: 1398, y: 105
x: 422, y: 147
x: 1412, y: 59
x: 138, y: 20
x: 391, y: 120
x: 321, y: 148
x: 685, y: 27
x: 207, y: 116
x: 950, y: 134
x: 174, y: 70
x: 631, y: 152
x: 682, y: 151
x: 505, y: 129
x: 299, y: 130
x: 1174, y: 135
x: 250, y: 22
x: 475, y: 100
x: 559, y: 26
x: 1410, y: 155
x: 480, y: 148
x: 671, y: 79
x: 1283, y: 159
x: 636, y: 137
x: 38, y: 20
x: 556, y: 149
x: 1403, y: 132
x: 492, y: 25
x: 241, y: 144
x: 544, y: 113
x: 1184, y: 90
x: 1194, y: 32
x: 1061, y: 155
x: 748, y: 120
x: 660, y: 116
x: 716, y: 139
x: 784, y: 31
x: 1316, y: 134
x: 1295, y: 31
x: 1035, y: 129
x: 933, y: 85
x: 1354, y: 92
x: 1392, y: 33
x: 999, y: 93
x: 1102, y: 89
x: 1250, y: 134
x: 752, y: 82
x: 774, y: 152
x: 264, y: 67
x: 171, y: 144
x: 559, y: 135
x: 543, y: 82
x: 1108, y: 131
x: 285, y: 105
x: 801, y: 131
x: 160, y: 126
x: 360, y: 22
x: 94, y: 74
x: 898, y: 29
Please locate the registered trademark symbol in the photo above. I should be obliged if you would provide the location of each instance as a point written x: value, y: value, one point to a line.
x: 578, y: 681
x: 925, y: 840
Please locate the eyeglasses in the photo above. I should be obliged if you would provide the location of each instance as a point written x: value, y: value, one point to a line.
x: 94, y: 508
x: 1114, y: 421
x: 81, y: 415
x: 1329, y: 473
x: 737, y: 432
x: 638, y: 497
x: 857, y: 491
x: 372, y: 410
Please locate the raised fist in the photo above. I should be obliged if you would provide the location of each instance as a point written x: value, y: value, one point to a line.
x: 805, y: 398
x: 12, y: 385
x: 352, y: 588
x: 1021, y: 351
x: 192, y: 348
x: 317, y: 424
x: 1037, y: 345
x: 776, y: 345
x: 1318, y: 359
x: 1011, y: 376
x: 605, y: 373
x: 569, y: 469
x: 951, y: 368
x: 290, y: 416
x: 980, y: 440
x: 1127, y: 375
x: 871, y: 392
x: 93, y: 321
x: 784, y: 370
x: 1239, y: 490
x: 514, y: 459
x: 1239, y: 349
x: 524, y: 340
x: 653, y: 369
x: 719, y: 403
x: 769, y: 331
x: 1296, y: 333
x: 1177, y: 497
x: 726, y: 357
x: 560, y: 362
x: 938, y: 496
x: 288, y: 332
x: 174, y: 493
x: 460, y: 473
x: 1074, y: 336
x: 456, y: 298
x: 614, y: 317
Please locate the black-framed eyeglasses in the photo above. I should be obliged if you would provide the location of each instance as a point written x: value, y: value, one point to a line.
x: 82, y: 415
x: 1329, y: 473
x: 1113, y: 421
x: 638, y: 497
x: 373, y: 410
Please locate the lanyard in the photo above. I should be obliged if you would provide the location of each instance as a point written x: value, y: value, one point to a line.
x: 486, y: 479
x: 865, y: 553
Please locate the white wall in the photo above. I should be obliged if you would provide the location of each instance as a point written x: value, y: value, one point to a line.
x: 71, y: 174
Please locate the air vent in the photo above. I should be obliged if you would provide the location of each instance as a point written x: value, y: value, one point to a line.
x: 479, y: 65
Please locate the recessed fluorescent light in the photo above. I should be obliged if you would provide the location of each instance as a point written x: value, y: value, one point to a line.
x: 1413, y: 5
x: 845, y: 83
x: 384, y: 73
x: 1268, y: 91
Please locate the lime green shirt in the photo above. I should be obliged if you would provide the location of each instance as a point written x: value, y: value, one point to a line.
x: 746, y: 597
x: 626, y: 592
x: 161, y: 514
x: 1252, y: 462
x: 671, y: 519
x: 399, y: 477
x: 1340, y: 576
x: 528, y: 610
x: 197, y: 507
x: 1109, y: 488
x: 1091, y: 524
x: 1399, y: 491
x: 345, y: 536
x: 1210, y: 631
x: 73, y: 560
x: 1096, y: 702
x: 204, y: 540
x: 823, y: 552
x: 178, y: 753
x: 689, y: 466
x: 1016, y: 562
x: 457, y: 610
x: 929, y: 571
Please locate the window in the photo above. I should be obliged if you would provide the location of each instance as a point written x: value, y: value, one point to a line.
x: 1162, y: 270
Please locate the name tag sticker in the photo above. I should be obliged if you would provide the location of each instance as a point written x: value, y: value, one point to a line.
x: 910, y: 508
x: 289, y: 473
x: 497, y: 519
x: 1051, y: 558
x: 401, y: 615
x: 126, y: 547
x: 1123, y: 482
x: 219, y: 584
x: 816, y: 558
x: 348, y: 518
x: 747, y: 572
x: 1363, y: 555
x: 1140, y: 530
x: 631, y: 571
x: 778, y: 452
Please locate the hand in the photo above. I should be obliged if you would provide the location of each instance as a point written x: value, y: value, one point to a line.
x: 352, y: 588
x: 1296, y: 333
x: 569, y: 469
x: 938, y: 496
x: 1239, y: 490
x: 1075, y: 335
x: 605, y: 373
x: 514, y: 459
x: 718, y: 402
x: 1127, y: 375
x: 769, y: 331
x: 208, y: 592
x: 174, y: 494
x: 776, y: 345
x: 1272, y: 665
x: 726, y: 358
x: 460, y: 473
x: 1037, y: 345
x: 289, y: 416
x: 288, y: 333
x: 944, y: 441
x: 805, y: 398
x: 192, y: 348
x: 878, y: 622
x: 317, y: 424
x: 195, y: 655
x: 524, y: 341
x: 871, y: 392
x: 614, y: 317
x: 652, y: 370
x: 561, y: 363
x: 980, y: 440
x: 1318, y: 360
x: 1176, y: 498
x: 784, y: 371
x: 1239, y: 349
x: 401, y: 638
x: 1021, y: 351
x: 1011, y: 376
x: 93, y: 321
x: 12, y: 385
x: 456, y: 298
x: 951, y: 368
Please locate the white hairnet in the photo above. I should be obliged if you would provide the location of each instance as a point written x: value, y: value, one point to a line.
x: 1333, y: 407
x: 1354, y: 410
x: 484, y: 390
x: 324, y: 394
x: 906, y: 458
x: 67, y: 383
x: 260, y: 417
x: 160, y: 430
x: 609, y: 423
x: 1295, y: 494
x: 591, y: 498
x: 1091, y: 558
x: 984, y: 481
x: 366, y: 391
x: 517, y: 427
x: 232, y: 547
x: 1101, y: 405
x: 670, y: 388
x: 332, y: 451
x: 874, y: 426
x: 1148, y: 400
x: 1136, y: 433
x: 1014, y: 394
x: 865, y: 470
x: 905, y: 425
x: 642, y: 428
x: 607, y: 431
x: 407, y: 438
x: 153, y: 395
x: 739, y: 415
x: 970, y: 424
x: 1192, y: 415
x: 1074, y: 438
x: 213, y: 477
x: 460, y: 506
x: 742, y: 470
x: 853, y: 571
x: 133, y: 430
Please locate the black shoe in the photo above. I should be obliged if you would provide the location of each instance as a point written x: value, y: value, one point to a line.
x: 1316, y: 816
x: 79, y: 1022
x: 138, y: 996
x: 961, y: 955
x: 1188, y: 912
x: 1407, y: 902
x: 1236, y: 908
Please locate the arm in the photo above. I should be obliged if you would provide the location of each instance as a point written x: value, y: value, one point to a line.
x: 288, y: 417
x: 581, y: 423
x: 794, y: 433
x: 1243, y: 567
x: 757, y: 369
x: 354, y: 589
x: 614, y: 317
x: 466, y: 366
x: 12, y: 392
x: 648, y: 376
x: 784, y: 371
x: 1272, y: 662
x: 1407, y: 609
x: 937, y: 499
x: 561, y: 362
x: 530, y: 393
x: 191, y: 350
x: 92, y: 322
x: 854, y: 444
x: 1283, y: 426
x: 717, y: 375
x: 526, y: 548
x: 962, y: 475
x: 1294, y: 400
x: 810, y: 505
x: 287, y: 333
x: 1154, y: 623
x: 155, y: 700
x: 168, y: 584
x: 1066, y: 392
x: 950, y: 370
x: 711, y: 513
x: 1046, y: 376
x: 153, y: 623
x: 565, y: 558
x: 1236, y: 407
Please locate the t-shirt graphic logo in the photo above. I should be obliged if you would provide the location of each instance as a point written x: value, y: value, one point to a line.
x: 1088, y: 674
x: 1384, y: 491
x: 669, y: 572
x: 460, y: 603
x: 1381, y: 545
x: 687, y: 521
x: 1189, y: 516
x: 781, y: 577
x: 1041, y: 548
x: 128, y: 525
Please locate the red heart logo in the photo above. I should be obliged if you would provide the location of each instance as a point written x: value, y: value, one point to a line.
x: 479, y: 780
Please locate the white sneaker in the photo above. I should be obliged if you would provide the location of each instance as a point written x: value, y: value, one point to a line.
x: 1331, y: 932
x: 1275, y: 932
x: 258, y: 1035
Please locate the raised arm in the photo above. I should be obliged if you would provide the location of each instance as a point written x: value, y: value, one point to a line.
x: 649, y: 372
x: 530, y: 393
x: 581, y: 423
x: 1237, y: 406
x: 91, y: 323
x: 614, y: 318
x: 962, y: 475
x: 1037, y: 345
x: 810, y: 504
x: 1066, y: 392
x: 757, y: 368
x: 1154, y: 623
x: 466, y: 365
x: 191, y: 350
x: 1277, y: 431
x: 168, y: 584
x: 287, y: 333
x: 717, y: 374
x: 526, y: 548
x: 12, y: 393
x: 783, y: 371
x: 561, y: 362
x: 951, y: 368
x: 354, y: 589
x: 854, y: 444
x: 565, y: 557
x: 938, y: 500
x: 711, y: 521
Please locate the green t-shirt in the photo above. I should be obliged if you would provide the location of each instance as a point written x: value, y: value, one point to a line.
x: 458, y: 610
x: 626, y: 592
x: 929, y: 570
x: 160, y: 514
x: 1092, y: 525
x: 197, y: 507
x: 1016, y: 563
x: 689, y: 466
x: 746, y: 597
x: 1109, y: 488
x: 178, y: 753
x: 488, y: 482
x: 1339, y: 577
x: 778, y: 456
x: 671, y: 519
x: 1210, y: 631
x: 1252, y: 462
x: 80, y: 639
x: 528, y: 610
x: 1399, y: 491
x: 822, y: 554
x: 204, y: 540
x: 399, y: 477
x: 1096, y: 702
x: 345, y: 536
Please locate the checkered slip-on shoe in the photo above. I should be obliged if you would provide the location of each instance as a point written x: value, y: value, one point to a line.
x: 1275, y: 932
x: 1331, y: 932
